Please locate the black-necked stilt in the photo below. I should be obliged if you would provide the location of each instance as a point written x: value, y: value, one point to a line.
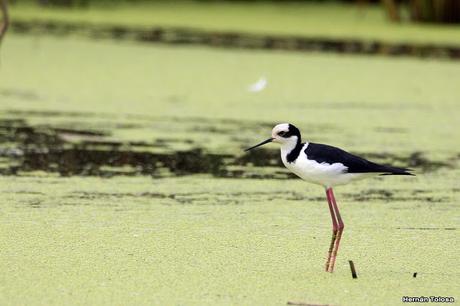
x: 327, y: 166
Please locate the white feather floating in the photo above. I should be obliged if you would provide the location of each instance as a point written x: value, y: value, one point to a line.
x: 258, y: 86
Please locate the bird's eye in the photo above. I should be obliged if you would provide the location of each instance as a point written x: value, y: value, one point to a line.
x: 282, y: 133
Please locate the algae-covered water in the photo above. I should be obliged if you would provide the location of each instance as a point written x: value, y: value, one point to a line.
x: 123, y: 179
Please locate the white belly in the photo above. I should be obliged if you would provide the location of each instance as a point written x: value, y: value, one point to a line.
x: 327, y: 175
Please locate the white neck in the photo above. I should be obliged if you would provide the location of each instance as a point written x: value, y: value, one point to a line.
x: 288, y: 145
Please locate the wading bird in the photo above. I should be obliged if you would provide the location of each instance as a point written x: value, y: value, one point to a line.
x: 327, y: 166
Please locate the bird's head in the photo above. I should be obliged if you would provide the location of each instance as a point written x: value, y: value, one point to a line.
x: 284, y: 133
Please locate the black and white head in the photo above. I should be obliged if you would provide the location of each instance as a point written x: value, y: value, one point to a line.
x: 285, y: 134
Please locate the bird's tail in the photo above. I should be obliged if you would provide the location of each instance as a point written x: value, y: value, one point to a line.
x: 388, y: 170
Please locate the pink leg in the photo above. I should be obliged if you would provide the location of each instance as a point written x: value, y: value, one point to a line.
x: 334, y: 228
x: 339, y: 232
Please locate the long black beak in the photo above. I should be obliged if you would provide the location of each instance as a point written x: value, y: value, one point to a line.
x: 260, y: 144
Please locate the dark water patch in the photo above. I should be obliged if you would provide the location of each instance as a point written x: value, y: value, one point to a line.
x: 372, y: 194
x: 221, y: 126
x: 52, y: 114
x: 191, y: 36
x: 419, y: 191
x: 27, y: 135
x: 22, y: 94
x: 34, y: 203
x: 6, y: 125
x: 390, y: 196
x: 104, y: 195
x: 26, y: 192
x: 416, y: 160
x: 91, y: 152
x: 427, y: 199
x: 261, y: 158
x: 428, y: 228
x: 85, y: 161
x: 79, y: 132
x: 166, y: 142
x: 204, y: 198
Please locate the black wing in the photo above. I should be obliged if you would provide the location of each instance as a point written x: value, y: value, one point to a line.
x: 328, y: 154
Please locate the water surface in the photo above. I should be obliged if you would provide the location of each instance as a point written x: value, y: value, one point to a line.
x: 130, y: 185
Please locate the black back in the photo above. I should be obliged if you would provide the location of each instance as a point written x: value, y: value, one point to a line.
x: 328, y: 154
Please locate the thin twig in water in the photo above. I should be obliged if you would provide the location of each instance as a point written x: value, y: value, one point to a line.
x: 353, y: 271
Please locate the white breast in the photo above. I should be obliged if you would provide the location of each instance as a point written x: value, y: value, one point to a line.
x: 324, y: 174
